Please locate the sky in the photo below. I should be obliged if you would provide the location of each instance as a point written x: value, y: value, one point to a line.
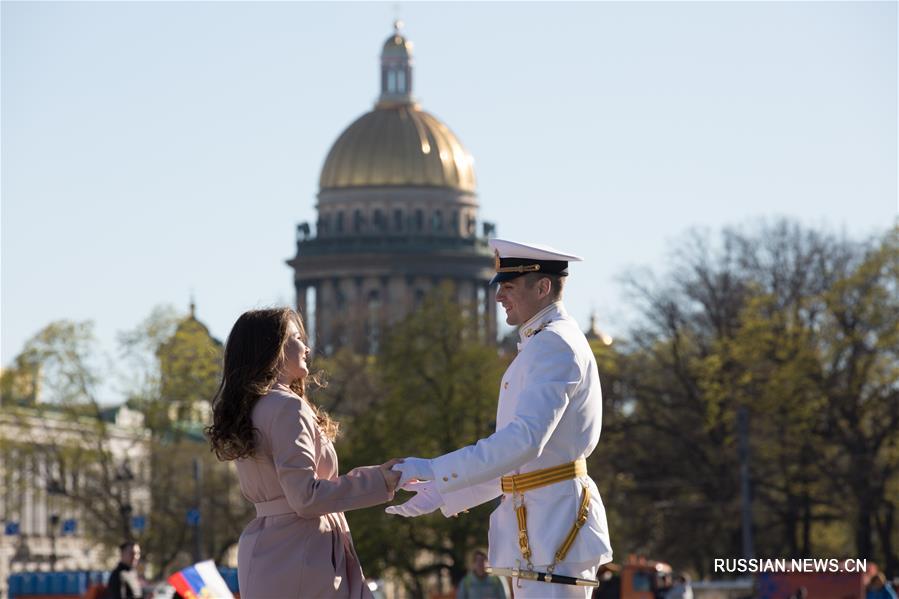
x: 155, y: 150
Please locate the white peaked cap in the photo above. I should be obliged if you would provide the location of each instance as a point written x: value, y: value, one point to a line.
x: 534, y: 251
x: 513, y: 259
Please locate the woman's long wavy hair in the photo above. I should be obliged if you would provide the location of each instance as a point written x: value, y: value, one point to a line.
x: 253, y: 356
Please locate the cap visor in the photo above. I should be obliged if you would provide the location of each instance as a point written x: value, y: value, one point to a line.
x: 505, y: 276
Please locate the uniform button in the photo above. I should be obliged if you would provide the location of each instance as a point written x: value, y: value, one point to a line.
x: 445, y: 479
x: 455, y: 475
x: 506, y: 385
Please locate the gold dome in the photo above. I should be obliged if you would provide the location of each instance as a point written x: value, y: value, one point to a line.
x: 398, y: 145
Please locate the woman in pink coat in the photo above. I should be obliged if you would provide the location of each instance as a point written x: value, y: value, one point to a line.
x: 299, y: 544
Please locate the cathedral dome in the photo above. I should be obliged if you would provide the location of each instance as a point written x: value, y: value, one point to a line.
x: 398, y: 145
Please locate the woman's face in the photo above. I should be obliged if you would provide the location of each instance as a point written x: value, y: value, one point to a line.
x: 295, y: 354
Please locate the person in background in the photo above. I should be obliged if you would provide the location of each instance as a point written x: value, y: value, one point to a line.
x: 477, y: 584
x: 681, y: 588
x: 662, y: 585
x: 124, y: 582
x: 879, y: 589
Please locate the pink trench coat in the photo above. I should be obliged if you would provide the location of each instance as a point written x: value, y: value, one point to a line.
x: 299, y: 545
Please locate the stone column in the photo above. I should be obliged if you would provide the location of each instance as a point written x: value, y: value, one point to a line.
x: 324, y: 302
x: 490, y: 312
x: 302, y: 288
x: 316, y: 316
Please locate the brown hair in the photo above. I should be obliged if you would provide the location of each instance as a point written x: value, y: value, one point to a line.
x: 556, y: 283
x: 253, y: 355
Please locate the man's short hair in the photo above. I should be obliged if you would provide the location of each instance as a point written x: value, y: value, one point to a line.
x: 126, y: 545
x: 476, y: 553
x: 557, y: 283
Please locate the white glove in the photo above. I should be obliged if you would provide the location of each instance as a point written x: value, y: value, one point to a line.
x: 411, y: 469
x: 427, y: 499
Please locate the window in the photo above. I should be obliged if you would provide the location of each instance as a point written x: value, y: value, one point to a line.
x: 419, y: 220
x: 358, y: 221
x: 437, y: 221
x: 340, y: 222
x: 391, y: 82
x: 379, y: 220
x: 401, y: 82
x: 397, y: 220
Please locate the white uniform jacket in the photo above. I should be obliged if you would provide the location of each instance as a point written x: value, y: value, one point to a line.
x: 549, y: 413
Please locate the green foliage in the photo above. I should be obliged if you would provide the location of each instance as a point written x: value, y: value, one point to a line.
x: 190, y: 365
x: 177, y: 367
x: 800, y: 328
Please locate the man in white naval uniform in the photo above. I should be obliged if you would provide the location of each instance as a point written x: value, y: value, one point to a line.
x: 548, y: 419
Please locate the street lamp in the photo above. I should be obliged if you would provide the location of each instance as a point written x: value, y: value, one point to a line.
x: 124, y: 477
x: 54, y: 523
x: 54, y: 488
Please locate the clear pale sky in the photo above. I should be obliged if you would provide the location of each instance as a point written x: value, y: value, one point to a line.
x: 153, y: 149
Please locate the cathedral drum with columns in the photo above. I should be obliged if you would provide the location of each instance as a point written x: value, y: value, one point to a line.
x: 397, y: 216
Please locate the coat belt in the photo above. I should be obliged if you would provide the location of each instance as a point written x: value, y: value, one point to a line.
x: 275, y: 507
x: 519, y: 483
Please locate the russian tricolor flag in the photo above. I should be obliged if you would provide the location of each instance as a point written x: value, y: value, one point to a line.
x: 200, y: 581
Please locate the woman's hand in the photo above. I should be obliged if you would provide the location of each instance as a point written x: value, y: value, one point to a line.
x: 392, y: 477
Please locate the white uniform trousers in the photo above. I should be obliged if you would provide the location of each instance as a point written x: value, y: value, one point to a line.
x: 531, y: 589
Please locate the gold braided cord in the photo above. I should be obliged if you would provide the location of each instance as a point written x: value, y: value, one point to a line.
x: 576, y: 527
x: 528, y: 268
x: 544, y: 477
x: 523, y: 542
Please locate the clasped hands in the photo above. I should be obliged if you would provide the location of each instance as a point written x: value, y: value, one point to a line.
x: 417, y: 476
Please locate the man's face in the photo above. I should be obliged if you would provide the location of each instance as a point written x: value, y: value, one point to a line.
x: 519, y: 300
x: 131, y: 555
x: 479, y: 565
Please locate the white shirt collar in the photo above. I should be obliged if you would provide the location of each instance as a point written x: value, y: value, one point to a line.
x: 539, y: 320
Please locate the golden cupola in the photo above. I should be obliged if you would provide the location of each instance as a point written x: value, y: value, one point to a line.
x: 397, y: 143
x: 397, y: 217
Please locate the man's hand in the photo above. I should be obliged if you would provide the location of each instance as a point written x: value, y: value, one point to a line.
x: 427, y: 499
x: 414, y: 469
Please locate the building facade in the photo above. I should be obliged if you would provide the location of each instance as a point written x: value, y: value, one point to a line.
x: 397, y: 216
x: 62, y: 474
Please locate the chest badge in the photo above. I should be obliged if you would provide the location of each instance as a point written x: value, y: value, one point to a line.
x: 529, y: 332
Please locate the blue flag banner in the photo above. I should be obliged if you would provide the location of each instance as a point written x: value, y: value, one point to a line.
x: 193, y: 516
x: 11, y: 528
x: 139, y: 523
x: 70, y: 526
